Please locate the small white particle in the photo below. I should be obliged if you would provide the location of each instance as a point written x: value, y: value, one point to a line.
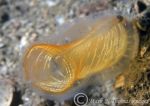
x: 60, y: 20
x: 52, y: 2
x: 23, y: 42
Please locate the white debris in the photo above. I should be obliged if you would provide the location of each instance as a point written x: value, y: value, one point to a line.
x: 6, y: 92
x: 51, y: 3
x: 60, y: 20
x: 23, y: 42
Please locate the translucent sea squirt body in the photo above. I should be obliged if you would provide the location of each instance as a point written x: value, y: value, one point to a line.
x: 97, y: 45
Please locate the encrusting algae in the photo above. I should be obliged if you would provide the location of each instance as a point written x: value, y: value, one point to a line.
x: 106, y: 46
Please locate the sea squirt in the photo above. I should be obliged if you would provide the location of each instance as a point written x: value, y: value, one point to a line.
x: 98, y: 45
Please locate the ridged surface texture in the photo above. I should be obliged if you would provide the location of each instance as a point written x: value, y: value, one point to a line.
x: 55, y: 68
